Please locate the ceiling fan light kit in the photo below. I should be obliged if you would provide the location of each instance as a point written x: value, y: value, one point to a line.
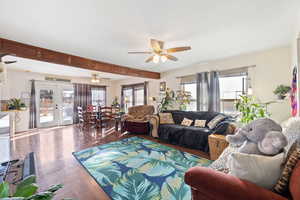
x: 159, y: 53
x: 95, y: 78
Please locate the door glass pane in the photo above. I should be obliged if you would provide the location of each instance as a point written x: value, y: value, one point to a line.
x: 47, y: 106
x: 139, y: 97
x: 68, y: 99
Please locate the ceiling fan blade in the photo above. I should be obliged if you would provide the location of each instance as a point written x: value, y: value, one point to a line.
x: 4, y: 54
x: 177, y: 49
x: 9, y: 62
x: 170, y: 57
x: 149, y: 59
x: 157, y: 45
x: 140, y: 52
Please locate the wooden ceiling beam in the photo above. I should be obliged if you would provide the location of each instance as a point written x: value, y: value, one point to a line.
x: 47, y: 55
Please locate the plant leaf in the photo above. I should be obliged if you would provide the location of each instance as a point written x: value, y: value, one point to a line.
x: 54, y: 188
x: 27, y: 181
x: 26, y: 191
x: 4, y: 190
x: 41, y: 196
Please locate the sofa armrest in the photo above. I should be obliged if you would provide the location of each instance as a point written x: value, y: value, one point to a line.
x: 127, y: 117
x: 216, y: 185
x: 225, y: 128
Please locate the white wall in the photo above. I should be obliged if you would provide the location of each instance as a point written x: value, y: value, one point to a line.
x: 272, y: 68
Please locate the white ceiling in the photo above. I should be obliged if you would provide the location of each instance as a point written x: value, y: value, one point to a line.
x: 105, y: 30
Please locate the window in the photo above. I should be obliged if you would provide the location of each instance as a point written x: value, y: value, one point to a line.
x: 133, y: 95
x: 98, y: 96
x: 192, y: 88
x: 231, y: 87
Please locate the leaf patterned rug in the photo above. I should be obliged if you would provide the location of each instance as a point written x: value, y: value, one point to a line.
x: 139, y: 169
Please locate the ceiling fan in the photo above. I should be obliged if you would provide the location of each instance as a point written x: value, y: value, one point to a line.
x: 159, y: 53
x: 6, y: 62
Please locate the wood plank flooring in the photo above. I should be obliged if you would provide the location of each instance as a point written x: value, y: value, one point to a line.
x: 53, y: 148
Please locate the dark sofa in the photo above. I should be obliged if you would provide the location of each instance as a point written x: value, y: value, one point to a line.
x: 191, y: 136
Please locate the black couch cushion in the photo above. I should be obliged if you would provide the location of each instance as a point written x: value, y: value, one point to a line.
x: 191, y: 136
x: 179, y: 115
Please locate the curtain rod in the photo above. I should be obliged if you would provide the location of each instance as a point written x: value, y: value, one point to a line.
x: 250, y: 66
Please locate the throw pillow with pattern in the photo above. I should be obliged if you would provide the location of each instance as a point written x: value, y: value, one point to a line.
x: 291, y: 161
x: 186, y: 122
x: 214, y: 122
x: 200, y: 123
x: 166, y: 118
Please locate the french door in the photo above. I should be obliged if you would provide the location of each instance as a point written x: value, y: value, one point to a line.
x: 54, y: 104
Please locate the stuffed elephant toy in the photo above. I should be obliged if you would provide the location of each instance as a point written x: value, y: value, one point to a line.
x: 262, y: 136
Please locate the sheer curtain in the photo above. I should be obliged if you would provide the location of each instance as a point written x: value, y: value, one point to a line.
x: 214, y: 93
x: 202, y: 91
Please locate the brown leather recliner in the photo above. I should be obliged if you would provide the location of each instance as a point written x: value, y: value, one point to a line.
x: 137, y: 119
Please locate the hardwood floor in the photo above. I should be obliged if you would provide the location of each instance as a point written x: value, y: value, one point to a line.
x: 55, y: 163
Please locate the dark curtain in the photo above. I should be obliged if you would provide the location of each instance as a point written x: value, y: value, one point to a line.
x: 214, y: 93
x: 122, y: 97
x: 32, y: 105
x: 145, y: 93
x: 202, y: 91
x: 82, y: 97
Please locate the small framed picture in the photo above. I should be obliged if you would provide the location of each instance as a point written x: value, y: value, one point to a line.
x: 162, y: 86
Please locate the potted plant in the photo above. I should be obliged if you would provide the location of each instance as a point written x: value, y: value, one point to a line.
x: 250, y: 110
x: 183, y: 98
x: 281, y: 91
x: 27, y: 190
x: 167, y: 99
x: 115, y: 102
x: 16, y: 104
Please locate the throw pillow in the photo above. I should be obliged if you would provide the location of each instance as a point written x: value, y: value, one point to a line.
x: 200, y: 123
x: 261, y: 170
x: 214, y: 122
x: 291, y: 161
x: 186, y: 122
x: 166, y: 118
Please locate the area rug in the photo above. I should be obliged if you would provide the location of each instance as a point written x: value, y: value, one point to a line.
x: 135, y: 168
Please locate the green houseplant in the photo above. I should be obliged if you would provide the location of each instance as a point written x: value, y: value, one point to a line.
x: 281, y: 91
x: 115, y: 102
x: 250, y: 110
x: 167, y: 99
x: 27, y: 190
x: 16, y: 104
x: 183, y: 99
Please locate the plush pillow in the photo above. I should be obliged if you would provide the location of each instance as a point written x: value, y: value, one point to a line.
x: 186, y: 122
x: 166, y: 118
x: 200, y: 123
x: 225, y: 128
x: 291, y: 161
x: 261, y: 170
x: 214, y: 122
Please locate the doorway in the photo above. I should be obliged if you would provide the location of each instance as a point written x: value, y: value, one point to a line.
x: 54, y: 104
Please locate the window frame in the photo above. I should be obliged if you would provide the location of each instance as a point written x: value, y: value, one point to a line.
x: 100, y: 88
x: 245, y: 86
x: 192, y: 100
x: 134, y: 88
